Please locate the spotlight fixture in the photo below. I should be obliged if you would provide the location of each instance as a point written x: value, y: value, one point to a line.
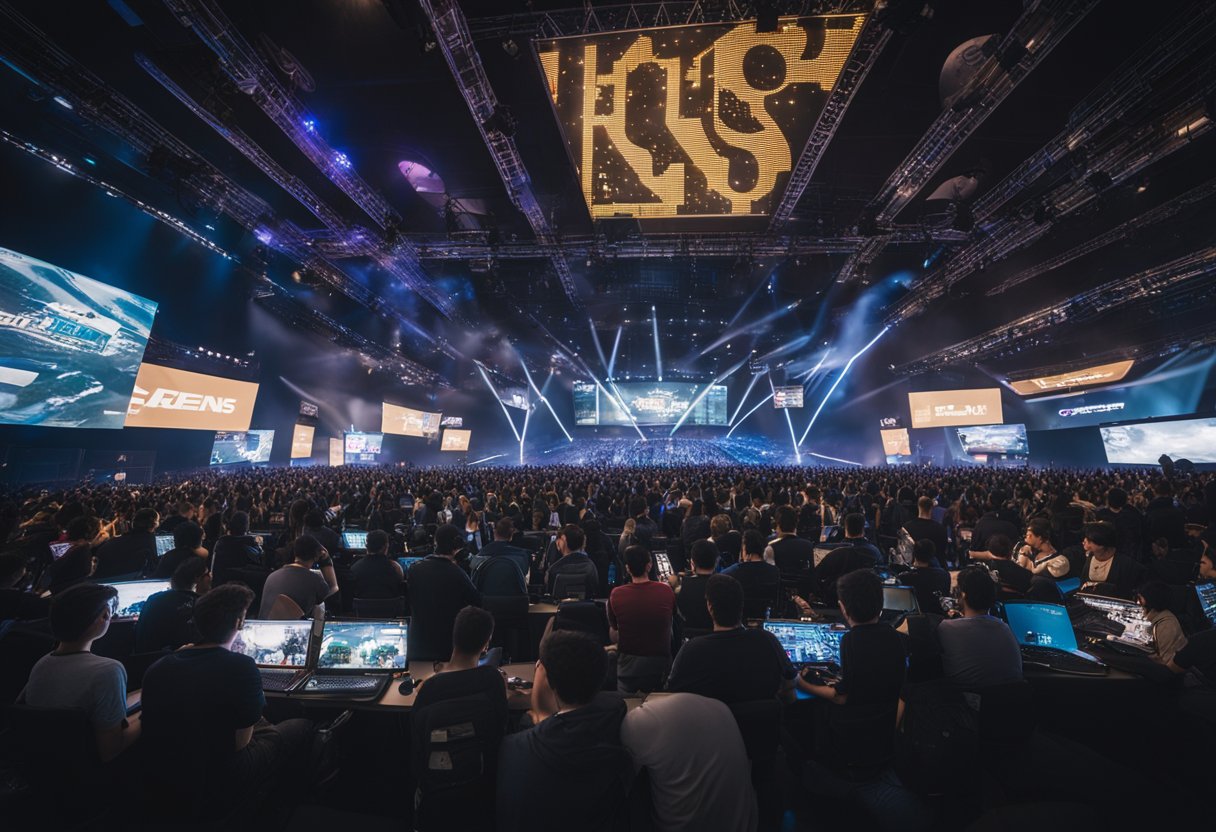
x: 510, y: 47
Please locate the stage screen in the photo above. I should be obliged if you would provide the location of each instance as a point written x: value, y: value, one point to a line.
x: 1193, y: 439
x: 700, y: 120
x: 241, y: 446
x: 363, y: 443
x: 651, y: 403
x: 1099, y: 374
x: 895, y: 442
x: 951, y: 408
x: 1009, y: 440
x: 455, y: 440
x: 301, y: 441
x: 168, y: 398
x: 405, y: 421
x: 337, y: 455
x: 452, y: 422
x: 70, y: 346
x: 787, y: 396
x: 308, y: 409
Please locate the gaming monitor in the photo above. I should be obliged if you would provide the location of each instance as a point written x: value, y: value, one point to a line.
x: 363, y: 645
x: 244, y: 446
x: 1128, y: 614
x: 354, y: 541
x: 133, y: 594
x: 807, y: 642
x: 275, y: 643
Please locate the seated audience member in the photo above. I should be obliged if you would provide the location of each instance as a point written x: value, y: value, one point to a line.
x: 1127, y: 520
x: 728, y: 541
x: 184, y: 510
x: 375, y: 574
x: 132, y: 553
x: 462, y: 675
x: 569, y: 771
x: 16, y: 602
x: 639, y: 620
x: 733, y: 663
x: 978, y: 650
x: 71, y: 677
x: 924, y: 527
x: 1102, y: 563
x: 1038, y: 554
x: 202, y: 707
x: 439, y: 589
x: 235, y: 551
x: 690, y: 589
x: 77, y: 563
x: 1168, y: 638
x: 854, y: 553
x: 663, y: 734
x: 761, y: 581
x: 1207, y: 563
x: 500, y: 569
x: 573, y: 560
x: 314, y: 526
x: 1014, y: 578
x: 187, y: 543
x: 873, y: 656
x: 930, y: 583
x: 165, y: 620
x: 501, y: 546
x: 298, y: 581
x: 791, y: 554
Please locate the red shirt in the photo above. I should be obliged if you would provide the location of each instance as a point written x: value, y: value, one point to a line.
x: 642, y: 613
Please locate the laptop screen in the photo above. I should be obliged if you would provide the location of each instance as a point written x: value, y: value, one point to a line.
x: 807, y: 642
x: 1067, y: 586
x: 1207, y: 600
x: 354, y: 540
x: 133, y: 594
x: 275, y: 643
x: 406, y: 563
x: 363, y: 645
x: 164, y: 543
x: 1136, y: 627
x: 899, y: 598
x: 1041, y: 625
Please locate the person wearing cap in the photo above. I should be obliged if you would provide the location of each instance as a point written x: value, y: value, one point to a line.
x: 438, y: 590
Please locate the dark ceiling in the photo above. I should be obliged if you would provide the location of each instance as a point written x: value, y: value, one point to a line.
x: 379, y: 96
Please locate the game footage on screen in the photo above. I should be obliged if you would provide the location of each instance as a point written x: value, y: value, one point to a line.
x: 283, y: 643
x: 358, y: 645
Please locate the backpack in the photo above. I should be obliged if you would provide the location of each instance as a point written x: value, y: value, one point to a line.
x: 455, y: 755
x: 901, y: 553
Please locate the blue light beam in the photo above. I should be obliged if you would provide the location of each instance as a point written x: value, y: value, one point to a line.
x: 836, y: 383
x: 788, y: 421
x: 658, y: 358
x: 702, y: 394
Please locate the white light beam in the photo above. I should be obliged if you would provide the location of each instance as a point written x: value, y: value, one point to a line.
x: 746, y: 393
x: 788, y: 421
x: 836, y: 383
x: 748, y: 413
x: 702, y: 394
x: 658, y: 358
x: 541, y: 395
x: 497, y: 398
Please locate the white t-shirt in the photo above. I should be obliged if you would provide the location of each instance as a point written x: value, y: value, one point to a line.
x: 1099, y: 571
x: 82, y: 681
x: 698, y: 777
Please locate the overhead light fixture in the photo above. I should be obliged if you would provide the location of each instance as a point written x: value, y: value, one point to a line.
x: 63, y: 102
x: 510, y: 47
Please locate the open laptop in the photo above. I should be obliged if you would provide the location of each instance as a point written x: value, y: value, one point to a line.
x: 280, y: 649
x: 1207, y: 600
x: 407, y: 562
x: 1130, y: 628
x: 132, y: 595
x: 1068, y: 586
x: 898, y: 602
x: 354, y: 541
x: 358, y: 658
x: 808, y: 643
x: 662, y: 565
x: 164, y: 543
x: 1044, y: 632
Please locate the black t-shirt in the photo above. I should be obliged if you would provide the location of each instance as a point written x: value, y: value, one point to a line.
x: 125, y: 554
x: 740, y: 665
x: 690, y: 601
x: 922, y: 529
x: 455, y: 684
x: 1013, y: 575
x: 793, y: 555
x: 375, y: 576
x: 170, y: 561
x: 1199, y: 656
x: 164, y: 621
x: 873, y: 664
x: 438, y: 590
x: 759, y: 579
x: 729, y: 545
x: 853, y: 555
x: 925, y: 581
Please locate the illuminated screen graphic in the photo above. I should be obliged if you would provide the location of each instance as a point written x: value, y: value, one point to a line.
x: 895, y: 442
x: 514, y: 397
x: 301, y: 441
x: 693, y: 120
x: 277, y: 643
x: 949, y: 408
x: 452, y: 422
x: 455, y: 440
x: 650, y: 402
x: 242, y: 446
x: 405, y: 421
x: 363, y: 645
x: 336, y: 453
x: 1193, y: 439
x: 168, y: 398
x: 70, y: 346
x: 1100, y: 374
x: 308, y: 409
x: 787, y: 396
x: 132, y: 595
x: 994, y: 439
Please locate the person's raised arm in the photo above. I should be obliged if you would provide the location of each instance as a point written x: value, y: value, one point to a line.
x: 326, y: 565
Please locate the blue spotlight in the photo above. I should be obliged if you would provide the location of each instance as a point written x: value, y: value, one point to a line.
x: 836, y: 383
x: 658, y: 358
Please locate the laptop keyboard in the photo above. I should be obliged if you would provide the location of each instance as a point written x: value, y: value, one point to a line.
x: 343, y: 684
x: 276, y: 679
x: 1062, y: 662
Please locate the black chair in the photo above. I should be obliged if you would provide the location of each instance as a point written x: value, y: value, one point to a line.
x: 570, y: 585
x: 137, y: 665
x: 454, y: 761
x: 510, y: 623
x: 379, y: 607
x: 860, y: 741
x: 585, y: 616
x: 57, y: 746
x: 119, y: 641
x: 759, y: 724
x: 20, y: 649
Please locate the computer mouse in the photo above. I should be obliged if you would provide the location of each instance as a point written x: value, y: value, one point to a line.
x: 406, y: 687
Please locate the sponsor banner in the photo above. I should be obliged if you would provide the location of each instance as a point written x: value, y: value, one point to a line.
x: 952, y: 408
x: 895, y: 442
x: 405, y: 421
x: 337, y: 453
x: 1099, y: 374
x: 891, y: 422
x: 452, y: 422
x: 455, y: 440
x: 168, y: 398
x: 301, y: 441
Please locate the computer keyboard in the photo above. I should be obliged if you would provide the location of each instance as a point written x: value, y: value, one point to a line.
x: 343, y: 684
x: 275, y: 679
x: 1091, y: 621
x: 1062, y: 662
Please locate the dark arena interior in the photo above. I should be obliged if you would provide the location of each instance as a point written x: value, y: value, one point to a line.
x: 599, y: 415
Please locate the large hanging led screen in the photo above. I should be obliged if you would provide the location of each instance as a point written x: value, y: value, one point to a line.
x: 165, y: 397
x: 70, y: 346
x: 1193, y: 439
x: 702, y: 120
x: 649, y: 403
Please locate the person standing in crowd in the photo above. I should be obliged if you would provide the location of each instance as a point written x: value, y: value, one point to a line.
x: 640, y: 618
